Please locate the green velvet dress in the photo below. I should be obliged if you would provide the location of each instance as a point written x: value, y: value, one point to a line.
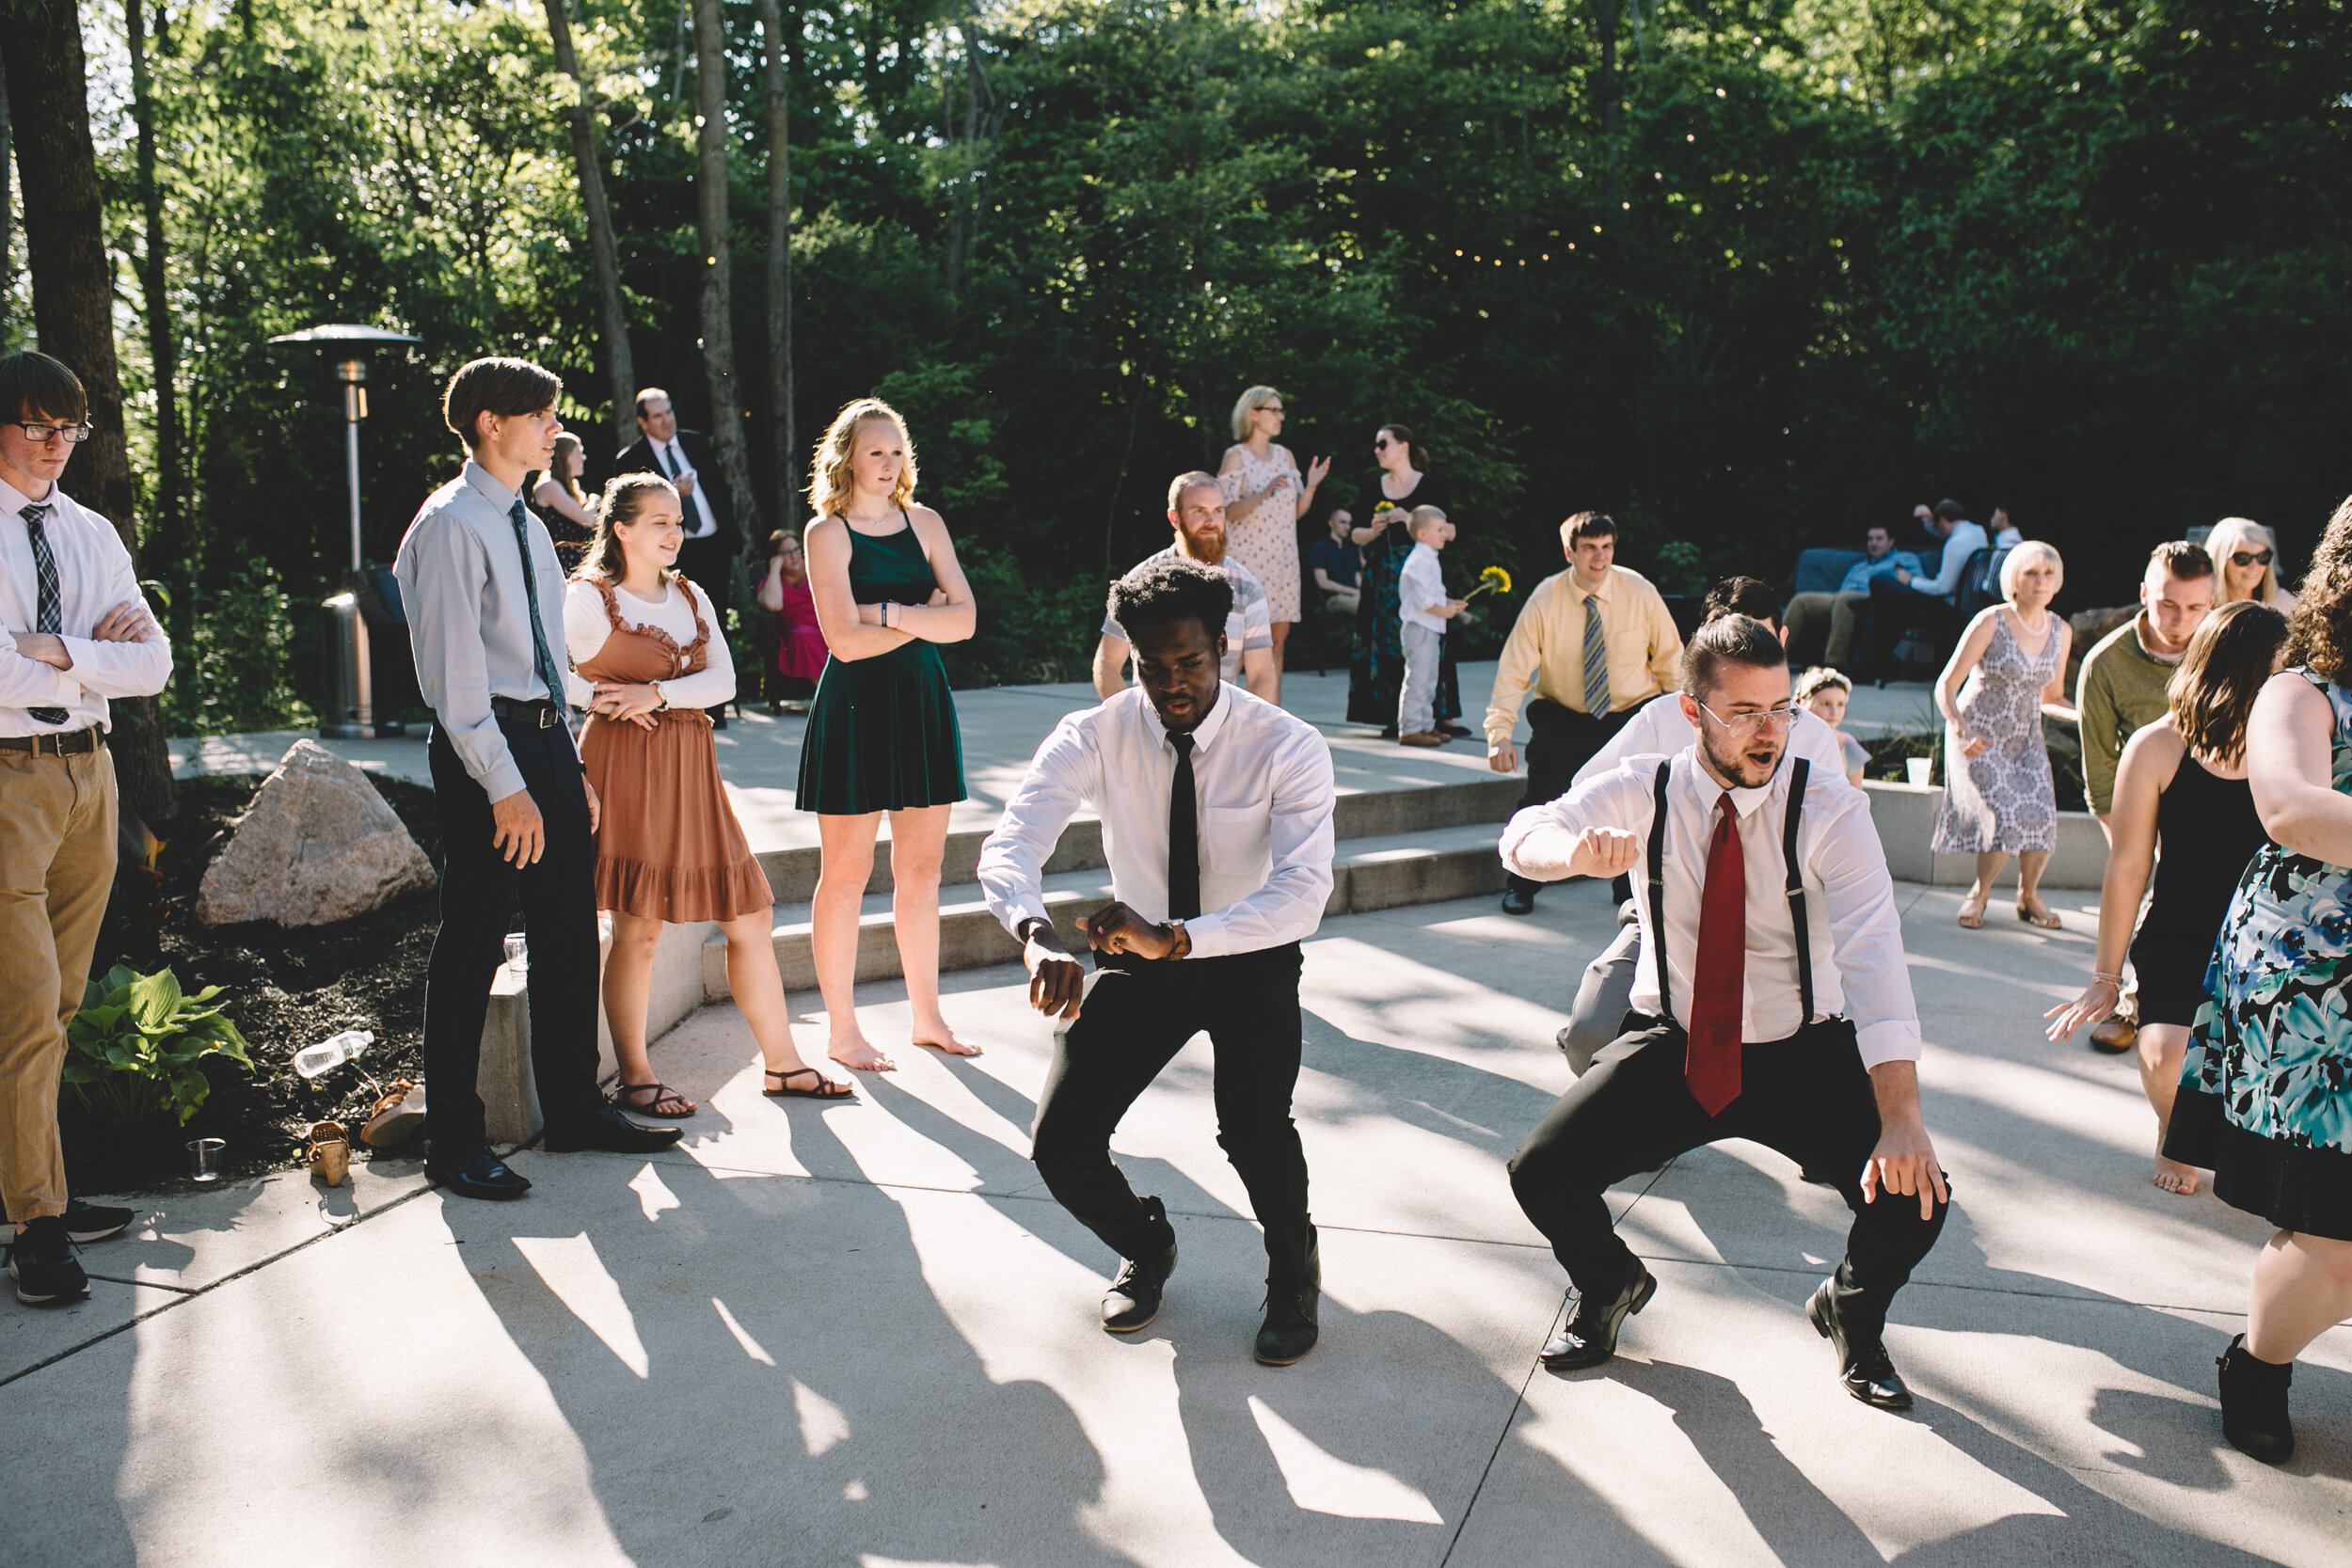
x: 881, y: 731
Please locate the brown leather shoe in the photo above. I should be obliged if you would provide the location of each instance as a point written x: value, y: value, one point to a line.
x: 330, y: 1152
x: 2114, y: 1033
x: 1420, y: 737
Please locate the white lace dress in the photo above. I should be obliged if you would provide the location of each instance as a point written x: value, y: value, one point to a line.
x: 1266, y: 541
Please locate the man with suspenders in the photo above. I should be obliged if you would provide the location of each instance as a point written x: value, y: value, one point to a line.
x: 1774, y: 998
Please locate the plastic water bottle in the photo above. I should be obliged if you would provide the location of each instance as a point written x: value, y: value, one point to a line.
x: 328, y: 1054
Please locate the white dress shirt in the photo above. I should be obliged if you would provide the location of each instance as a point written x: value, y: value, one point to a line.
x: 700, y: 524
x: 1262, y: 781
x: 94, y: 574
x: 587, y: 628
x: 1658, y: 728
x: 1856, y: 936
x: 1965, y: 540
x: 1420, y: 584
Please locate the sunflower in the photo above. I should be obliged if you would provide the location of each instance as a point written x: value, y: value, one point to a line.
x: 1493, y: 580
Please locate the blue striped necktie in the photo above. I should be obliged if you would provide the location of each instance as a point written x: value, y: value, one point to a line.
x: 47, y: 612
x: 1595, y: 660
x: 542, y: 660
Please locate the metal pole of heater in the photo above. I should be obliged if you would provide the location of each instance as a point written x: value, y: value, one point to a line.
x: 355, y: 717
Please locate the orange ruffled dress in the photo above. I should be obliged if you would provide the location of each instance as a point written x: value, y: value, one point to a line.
x: 669, y: 847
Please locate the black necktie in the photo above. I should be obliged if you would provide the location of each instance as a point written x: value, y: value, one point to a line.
x: 1184, y: 836
x: 47, y: 614
x: 550, y: 673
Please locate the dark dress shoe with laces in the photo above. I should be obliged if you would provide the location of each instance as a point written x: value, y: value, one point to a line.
x: 1518, y: 900
x: 1134, y: 1299
x: 1863, y: 1365
x: 1591, y: 1337
x: 606, y: 1129
x: 1291, y: 1326
x: 2254, y: 1403
x: 481, y: 1175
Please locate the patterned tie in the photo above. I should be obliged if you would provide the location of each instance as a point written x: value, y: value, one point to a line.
x: 1711, y: 1064
x: 542, y: 660
x: 47, y: 612
x: 1184, y: 836
x: 1595, y: 660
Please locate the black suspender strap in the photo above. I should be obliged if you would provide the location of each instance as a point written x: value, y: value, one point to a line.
x: 1657, y: 891
x: 1798, y: 769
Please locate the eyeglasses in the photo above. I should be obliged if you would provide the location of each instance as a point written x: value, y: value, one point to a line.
x: 2237, y: 558
x: 1748, y: 723
x: 1269, y: 409
x: 72, y: 435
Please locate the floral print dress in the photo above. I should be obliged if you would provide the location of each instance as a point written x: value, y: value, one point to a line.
x: 2266, y: 1097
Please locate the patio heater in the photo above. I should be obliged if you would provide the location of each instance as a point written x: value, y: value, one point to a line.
x: 352, y: 716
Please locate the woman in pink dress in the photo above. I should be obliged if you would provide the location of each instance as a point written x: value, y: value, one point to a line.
x: 801, y: 650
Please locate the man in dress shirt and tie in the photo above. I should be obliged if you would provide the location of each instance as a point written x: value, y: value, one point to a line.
x: 1217, y: 820
x: 480, y: 584
x: 74, y: 632
x: 1595, y: 642
x: 1781, y: 1011
x: 684, y: 458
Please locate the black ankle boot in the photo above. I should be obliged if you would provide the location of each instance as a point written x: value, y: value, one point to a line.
x: 2254, y: 1403
x: 1292, y: 1309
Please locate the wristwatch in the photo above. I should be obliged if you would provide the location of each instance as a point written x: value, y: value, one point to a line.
x: 1183, y: 942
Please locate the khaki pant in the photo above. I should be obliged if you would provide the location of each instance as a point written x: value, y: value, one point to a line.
x: 56, y: 867
x: 1842, y: 611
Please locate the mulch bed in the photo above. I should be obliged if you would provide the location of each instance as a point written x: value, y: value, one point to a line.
x: 284, y: 989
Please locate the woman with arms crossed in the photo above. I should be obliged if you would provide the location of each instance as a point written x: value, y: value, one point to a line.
x: 882, y: 734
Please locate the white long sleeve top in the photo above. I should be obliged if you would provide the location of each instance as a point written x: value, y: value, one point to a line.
x: 94, y: 574
x: 1263, y: 784
x: 587, y: 628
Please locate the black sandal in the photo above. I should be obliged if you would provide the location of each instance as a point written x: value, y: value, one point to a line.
x: 666, y: 1102
x: 829, y: 1088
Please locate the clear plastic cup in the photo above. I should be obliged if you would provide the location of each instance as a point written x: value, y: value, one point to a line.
x: 1920, y: 771
x: 517, y: 954
x: 204, y: 1159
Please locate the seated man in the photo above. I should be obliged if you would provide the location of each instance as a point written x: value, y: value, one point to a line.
x: 1903, y: 600
x: 1841, y: 610
x: 1339, y: 566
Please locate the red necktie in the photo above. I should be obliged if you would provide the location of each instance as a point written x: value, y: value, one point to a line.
x: 1711, y: 1067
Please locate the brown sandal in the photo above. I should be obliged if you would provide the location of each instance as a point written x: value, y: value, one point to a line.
x: 329, y: 1153
x: 827, y: 1089
x: 666, y: 1100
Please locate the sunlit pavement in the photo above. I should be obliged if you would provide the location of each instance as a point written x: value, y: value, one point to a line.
x: 864, y: 1335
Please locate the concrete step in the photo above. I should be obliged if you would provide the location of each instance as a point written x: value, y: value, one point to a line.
x: 1358, y: 813
x: 1370, y: 872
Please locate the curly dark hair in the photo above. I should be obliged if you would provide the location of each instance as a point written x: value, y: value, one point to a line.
x: 1175, y: 588
x: 2320, y: 634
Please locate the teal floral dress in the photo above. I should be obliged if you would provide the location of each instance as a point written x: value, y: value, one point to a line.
x: 2266, y: 1097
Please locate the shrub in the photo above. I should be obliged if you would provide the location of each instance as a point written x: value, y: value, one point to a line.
x: 132, y: 1051
x: 234, y: 658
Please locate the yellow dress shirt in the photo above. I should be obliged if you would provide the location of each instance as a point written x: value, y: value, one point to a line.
x: 1546, y: 650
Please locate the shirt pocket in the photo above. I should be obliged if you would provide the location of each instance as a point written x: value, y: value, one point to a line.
x: 1236, y: 841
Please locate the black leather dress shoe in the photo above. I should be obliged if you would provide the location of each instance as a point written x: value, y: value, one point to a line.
x: 1591, y: 1337
x: 1863, y: 1365
x: 1518, y: 900
x: 1291, y: 1329
x: 1134, y: 1299
x: 607, y: 1128
x: 481, y: 1174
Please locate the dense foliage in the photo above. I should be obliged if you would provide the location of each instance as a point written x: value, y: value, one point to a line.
x: 1746, y: 273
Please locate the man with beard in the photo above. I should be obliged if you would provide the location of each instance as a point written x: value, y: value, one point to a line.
x: 1196, y: 509
x: 1754, y: 870
x: 1216, y: 821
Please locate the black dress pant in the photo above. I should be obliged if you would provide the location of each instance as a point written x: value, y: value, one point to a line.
x: 1893, y: 611
x: 1140, y: 1014
x: 1559, y: 741
x: 1807, y: 1096
x: 559, y: 907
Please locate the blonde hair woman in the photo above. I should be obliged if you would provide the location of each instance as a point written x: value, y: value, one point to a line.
x: 882, y: 731
x: 669, y: 850
x: 2246, y: 565
x: 1264, y: 498
x: 1999, y: 799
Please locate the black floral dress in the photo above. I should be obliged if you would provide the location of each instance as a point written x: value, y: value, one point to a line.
x: 1376, y: 676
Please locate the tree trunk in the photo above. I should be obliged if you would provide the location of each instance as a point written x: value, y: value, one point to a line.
x: 620, y: 362
x: 41, y: 45
x: 787, y: 452
x: 169, y: 523
x: 7, y: 214
x: 1609, y: 89
x: 717, y: 306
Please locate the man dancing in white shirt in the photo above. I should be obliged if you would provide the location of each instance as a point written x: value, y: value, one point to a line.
x: 1216, y: 821
x: 1753, y: 869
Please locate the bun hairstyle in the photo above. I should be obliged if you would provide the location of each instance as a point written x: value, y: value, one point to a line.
x: 624, y: 501
x: 1731, y: 640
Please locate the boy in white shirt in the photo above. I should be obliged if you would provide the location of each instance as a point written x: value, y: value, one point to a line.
x: 1424, y: 608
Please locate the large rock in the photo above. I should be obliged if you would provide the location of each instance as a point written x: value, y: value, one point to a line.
x: 317, y: 846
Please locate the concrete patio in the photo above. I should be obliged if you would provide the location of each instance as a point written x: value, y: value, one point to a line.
x: 863, y: 1335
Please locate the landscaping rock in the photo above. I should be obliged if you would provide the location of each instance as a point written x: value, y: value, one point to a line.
x: 317, y: 846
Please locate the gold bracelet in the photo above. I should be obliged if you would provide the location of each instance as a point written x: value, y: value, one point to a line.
x: 2101, y: 974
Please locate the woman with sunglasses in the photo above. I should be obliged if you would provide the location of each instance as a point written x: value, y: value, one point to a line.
x: 1375, y: 677
x: 2245, y: 557
x: 1264, y: 498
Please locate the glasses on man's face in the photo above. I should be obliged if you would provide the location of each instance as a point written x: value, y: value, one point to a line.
x: 72, y: 435
x: 2237, y: 558
x: 1748, y: 723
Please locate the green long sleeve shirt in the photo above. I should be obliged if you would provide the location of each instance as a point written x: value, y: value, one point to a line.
x: 2122, y: 689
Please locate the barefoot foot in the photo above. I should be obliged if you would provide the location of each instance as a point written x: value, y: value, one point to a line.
x: 939, y: 1037
x: 2175, y: 1177
x: 859, y: 1055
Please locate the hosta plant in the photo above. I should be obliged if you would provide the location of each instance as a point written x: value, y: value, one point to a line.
x: 132, y: 1051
